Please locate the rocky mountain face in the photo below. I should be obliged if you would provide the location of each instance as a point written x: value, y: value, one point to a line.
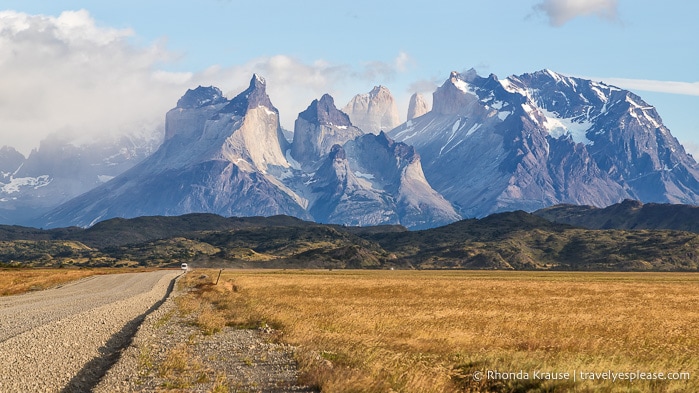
x: 318, y: 129
x: 487, y: 145
x: 62, y: 168
x: 374, y: 180
x: 624, y: 135
x: 540, y: 139
x: 417, y: 106
x: 217, y: 157
x: 373, y: 112
x: 230, y: 157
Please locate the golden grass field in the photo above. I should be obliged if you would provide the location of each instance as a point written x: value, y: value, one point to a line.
x: 439, y: 331
x: 15, y: 281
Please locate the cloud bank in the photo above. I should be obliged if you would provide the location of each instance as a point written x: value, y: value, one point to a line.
x: 671, y: 87
x: 68, y: 74
x: 560, y: 12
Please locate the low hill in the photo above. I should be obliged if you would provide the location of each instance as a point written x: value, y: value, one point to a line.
x: 628, y: 214
x: 513, y: 240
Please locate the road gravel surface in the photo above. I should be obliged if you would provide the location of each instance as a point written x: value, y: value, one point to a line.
x: 65, y: 339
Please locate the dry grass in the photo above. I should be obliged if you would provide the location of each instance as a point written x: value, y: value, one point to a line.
x: 15, y: 281
x: 378, y: 331
x: 181, y: 369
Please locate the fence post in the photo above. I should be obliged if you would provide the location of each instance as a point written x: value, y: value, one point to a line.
x: 219, y: 276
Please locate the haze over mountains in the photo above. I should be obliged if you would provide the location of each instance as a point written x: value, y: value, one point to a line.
x: 487, y: 145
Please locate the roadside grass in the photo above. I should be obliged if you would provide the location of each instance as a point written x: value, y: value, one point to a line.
x: 181, y: 369
x: 14, y: 281
x: 438, y: 331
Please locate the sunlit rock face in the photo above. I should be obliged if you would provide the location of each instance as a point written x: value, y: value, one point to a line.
x: 373, y: 112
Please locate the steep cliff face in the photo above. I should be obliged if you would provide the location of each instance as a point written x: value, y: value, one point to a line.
x: 318, y: 129
x: 354, y: 178
x: 397, y: 169
x: 373, y: 112
x: 417, y: 106
x: 374, y: 180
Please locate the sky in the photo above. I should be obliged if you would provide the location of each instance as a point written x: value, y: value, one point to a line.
x: 94, y: 69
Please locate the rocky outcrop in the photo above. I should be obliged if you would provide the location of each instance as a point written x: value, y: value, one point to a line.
x: 373, y: 112
x: 10, y: 161
x: 318, y: 129
x: 417, y: 106
x: 374, y: 180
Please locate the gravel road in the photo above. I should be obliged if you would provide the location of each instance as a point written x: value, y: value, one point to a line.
x: 65, y: 339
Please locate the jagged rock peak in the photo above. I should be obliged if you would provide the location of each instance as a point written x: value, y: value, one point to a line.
x: 374, y: 111
x: 399, y: 149
x: 469, y: 75
x: 324, y: 112
x: 200, y: 97
x: 255, y: 95
x: 458, y: 94
x: 379, y: 90
x: 417, y: 106
x: 10, y: 160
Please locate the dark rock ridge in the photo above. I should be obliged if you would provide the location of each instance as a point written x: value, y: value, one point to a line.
x: 201, y: 96
x: 628, y: 214
x: 254, y: 96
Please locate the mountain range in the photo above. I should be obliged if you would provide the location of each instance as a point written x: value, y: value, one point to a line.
x: 486, y: 145
x: 540, y: 139
x: 62, y: 168
x: 230, y: 157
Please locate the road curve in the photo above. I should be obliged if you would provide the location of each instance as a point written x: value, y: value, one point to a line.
x: 64, y: 339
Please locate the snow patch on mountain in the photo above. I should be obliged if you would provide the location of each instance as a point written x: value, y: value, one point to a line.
x: 558, y: 127
x: 16, y: 184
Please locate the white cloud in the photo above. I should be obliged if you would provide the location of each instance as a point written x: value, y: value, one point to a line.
x: 402, y: 61
x: 692, y: 148
x: 672, y: 87
x: 66, y: 73
x: 559, y: 12
x: 69, y: 74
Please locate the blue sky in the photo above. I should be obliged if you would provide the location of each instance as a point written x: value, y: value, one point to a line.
x: 90, y: 68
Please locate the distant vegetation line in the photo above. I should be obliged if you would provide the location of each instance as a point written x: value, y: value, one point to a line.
x: 513, y: 240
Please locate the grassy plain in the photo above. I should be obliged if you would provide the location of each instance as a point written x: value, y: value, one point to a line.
x: 15, y: 280
x: 439, y: 331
